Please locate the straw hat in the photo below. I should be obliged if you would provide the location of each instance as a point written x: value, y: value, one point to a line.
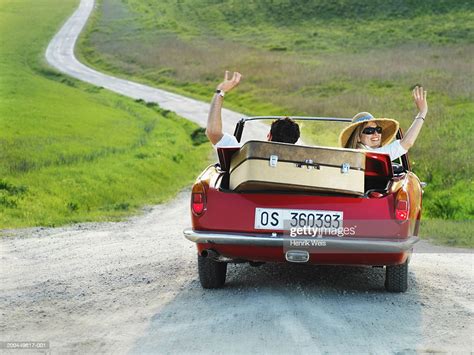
x: 389, y: 128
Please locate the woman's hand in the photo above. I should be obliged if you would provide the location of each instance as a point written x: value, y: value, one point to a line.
x: 229, y: 83
x: 419, y: 96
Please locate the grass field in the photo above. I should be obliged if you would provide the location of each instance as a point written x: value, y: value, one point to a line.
x: 315, y: 58
x: 71, y: 152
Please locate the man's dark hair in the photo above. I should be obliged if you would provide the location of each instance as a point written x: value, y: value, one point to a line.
x: 285, y: 130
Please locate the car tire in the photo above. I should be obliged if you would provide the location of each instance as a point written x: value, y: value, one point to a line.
x: 211, y: 273
x: 396, y: 277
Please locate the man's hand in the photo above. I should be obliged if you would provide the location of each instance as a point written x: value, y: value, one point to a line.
x: 229, y: 83
x: 419, y: 96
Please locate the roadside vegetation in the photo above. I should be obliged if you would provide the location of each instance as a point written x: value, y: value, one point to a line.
x: 316, y: 58
x: 71, y: 152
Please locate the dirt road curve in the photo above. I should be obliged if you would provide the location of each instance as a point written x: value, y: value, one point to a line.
x: 132, y: 287
x: 60, y: 54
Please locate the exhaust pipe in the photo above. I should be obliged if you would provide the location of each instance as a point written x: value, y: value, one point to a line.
x: 209, y: 253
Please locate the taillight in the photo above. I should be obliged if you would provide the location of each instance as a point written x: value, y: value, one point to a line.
x: 401, y: 206
x: 198, y: 199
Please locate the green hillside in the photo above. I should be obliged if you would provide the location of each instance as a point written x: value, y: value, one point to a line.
x: 312, y: 25
x: 72, y: 152
x: 320, y: 58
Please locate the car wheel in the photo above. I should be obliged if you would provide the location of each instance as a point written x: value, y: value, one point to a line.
x: 396, y: 277
x: 211, y: 273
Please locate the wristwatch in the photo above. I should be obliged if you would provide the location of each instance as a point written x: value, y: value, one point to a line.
x: 220, y: 92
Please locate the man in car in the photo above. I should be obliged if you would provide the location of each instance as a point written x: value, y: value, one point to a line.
x: 283, y: 130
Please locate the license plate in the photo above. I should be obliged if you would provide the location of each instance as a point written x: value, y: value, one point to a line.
x: 282, y: 219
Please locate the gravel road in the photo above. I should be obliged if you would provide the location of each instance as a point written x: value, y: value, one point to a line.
x: 132, y: 286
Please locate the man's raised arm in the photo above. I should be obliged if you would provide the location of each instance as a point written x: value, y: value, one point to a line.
x: 214, y: 120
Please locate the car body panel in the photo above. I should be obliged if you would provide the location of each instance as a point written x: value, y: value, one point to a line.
x: 226, y: 224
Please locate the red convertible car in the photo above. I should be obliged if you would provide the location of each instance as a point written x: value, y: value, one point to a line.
x: 376, y: 224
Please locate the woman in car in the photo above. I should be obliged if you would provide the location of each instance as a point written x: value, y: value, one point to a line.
x: 377, y: 134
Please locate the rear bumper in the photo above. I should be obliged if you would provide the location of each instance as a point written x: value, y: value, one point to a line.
x: 331, y: 244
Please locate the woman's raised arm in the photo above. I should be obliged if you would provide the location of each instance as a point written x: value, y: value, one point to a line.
x: 419, y: 96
